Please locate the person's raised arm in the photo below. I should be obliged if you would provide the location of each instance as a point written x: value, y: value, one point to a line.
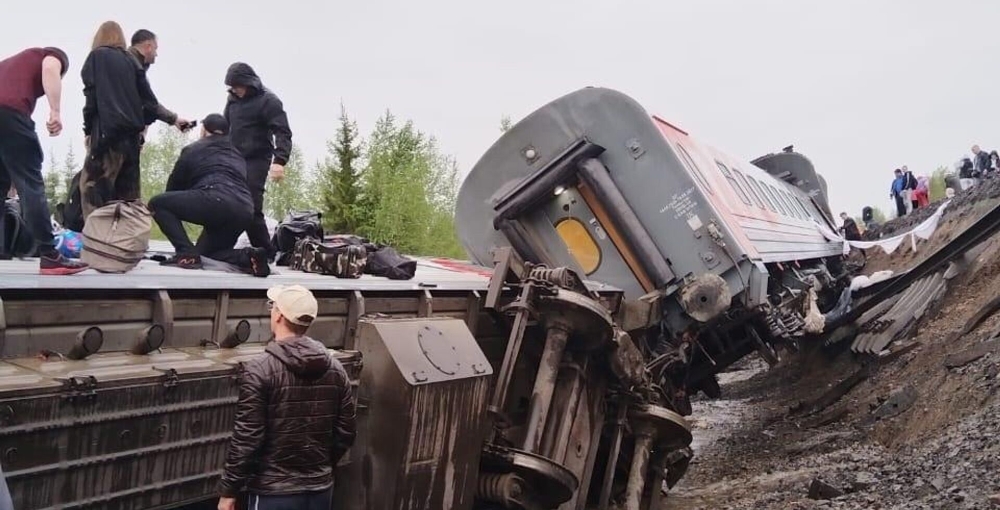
x: 52, y: 85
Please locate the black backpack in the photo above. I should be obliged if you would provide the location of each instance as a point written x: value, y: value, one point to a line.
x: 296, y: 226
x: 15, y: 240
x: 69, y: 214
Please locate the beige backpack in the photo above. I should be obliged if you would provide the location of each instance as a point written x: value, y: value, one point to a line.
x: 116, y: 236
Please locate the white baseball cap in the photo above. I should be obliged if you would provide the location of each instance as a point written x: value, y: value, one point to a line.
x: 295, y: 302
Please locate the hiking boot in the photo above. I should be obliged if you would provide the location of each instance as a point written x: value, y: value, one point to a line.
x: 55, y: 263
x: 259, y: 262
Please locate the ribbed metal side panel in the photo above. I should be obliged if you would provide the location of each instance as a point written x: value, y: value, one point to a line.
x: 446, y: 432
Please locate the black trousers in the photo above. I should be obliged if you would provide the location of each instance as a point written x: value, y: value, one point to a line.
x: 900, y: 206
x: 303, y: 501
x: 21, y: 166
x: 256, y: 178
x: 222, y: 219
x: 111, y: 172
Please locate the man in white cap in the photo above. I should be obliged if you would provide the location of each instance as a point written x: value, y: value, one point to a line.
x: 295, y: 417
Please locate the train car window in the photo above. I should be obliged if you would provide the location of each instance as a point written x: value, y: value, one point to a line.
x: 788, y: 203
x: 798, y: 208
x: 774, y: 194
x: 580, y: 243
x: 693, y: 168
x: 805, y: 210
x: 734, y: 183
x: 753, y: 192
x: 760, y: 191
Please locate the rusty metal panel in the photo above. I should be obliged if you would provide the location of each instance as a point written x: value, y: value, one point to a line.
x: 430, y: 350
x: 119, y: 430
x: 54, y: 313
x: 424, y: 393
x: 115, y: 424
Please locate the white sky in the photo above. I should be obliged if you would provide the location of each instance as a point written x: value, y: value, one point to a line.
x: 861, y: 87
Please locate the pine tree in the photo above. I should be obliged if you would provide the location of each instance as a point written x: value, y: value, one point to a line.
x: 341, y: 176
x: 69, y: 169
x: 296, y: 192
x: 51, y: 178
x: 408, y: 191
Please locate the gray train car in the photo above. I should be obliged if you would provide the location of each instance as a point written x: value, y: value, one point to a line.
x: 731, y: 257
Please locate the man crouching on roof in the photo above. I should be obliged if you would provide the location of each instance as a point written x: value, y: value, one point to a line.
x: 208, y: 187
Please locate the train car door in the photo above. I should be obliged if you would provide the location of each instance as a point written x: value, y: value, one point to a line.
x: 589, y: 245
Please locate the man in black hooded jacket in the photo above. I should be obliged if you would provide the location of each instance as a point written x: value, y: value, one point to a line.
x: 208, y: 187
x: 260, y: 131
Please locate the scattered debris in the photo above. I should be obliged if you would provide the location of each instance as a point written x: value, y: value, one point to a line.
x: 985, y: 311
x: 929, y: 444
x: 834, y: 394
x: 863, y: 481
x: 819, y: 489
x: 897, y: 403
x: 962, y: 358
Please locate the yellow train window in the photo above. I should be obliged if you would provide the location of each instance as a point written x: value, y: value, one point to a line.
x: 580, y: 243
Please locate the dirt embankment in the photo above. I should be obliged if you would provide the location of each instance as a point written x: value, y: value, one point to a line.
x: 920, y: 429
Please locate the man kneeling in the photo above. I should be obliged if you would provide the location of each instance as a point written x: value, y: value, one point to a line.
x: 208, y: 187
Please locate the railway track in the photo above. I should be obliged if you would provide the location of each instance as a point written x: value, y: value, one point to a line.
x: 890, y: 307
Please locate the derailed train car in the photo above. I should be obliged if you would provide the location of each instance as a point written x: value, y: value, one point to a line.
x: 720, y: 257
x: 629, y: 265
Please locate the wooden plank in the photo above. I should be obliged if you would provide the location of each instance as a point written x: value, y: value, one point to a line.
x: 964, y: 357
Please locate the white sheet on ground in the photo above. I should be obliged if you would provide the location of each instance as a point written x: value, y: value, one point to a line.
x: 890, y: 244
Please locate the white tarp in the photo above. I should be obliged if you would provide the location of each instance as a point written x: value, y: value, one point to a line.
x: 890, y: 244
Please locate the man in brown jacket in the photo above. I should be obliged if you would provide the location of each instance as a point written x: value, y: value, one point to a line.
x: 295, y: 417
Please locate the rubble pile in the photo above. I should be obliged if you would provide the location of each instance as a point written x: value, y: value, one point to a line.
x: 918, y: 431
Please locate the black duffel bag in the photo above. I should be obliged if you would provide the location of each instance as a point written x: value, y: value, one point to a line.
x: 386, y: 261
x: 297, y: 225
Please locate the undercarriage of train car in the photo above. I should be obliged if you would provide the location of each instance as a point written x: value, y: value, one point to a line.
x: 802, y: 297
x: 577, y: 420
x: 589, y: 400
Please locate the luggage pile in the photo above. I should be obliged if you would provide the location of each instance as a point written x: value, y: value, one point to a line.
x: 302, y: 246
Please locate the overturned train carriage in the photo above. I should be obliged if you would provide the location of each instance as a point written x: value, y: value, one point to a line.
x: 717, y: 257
x: 119, y: 391
x: 621, y: 265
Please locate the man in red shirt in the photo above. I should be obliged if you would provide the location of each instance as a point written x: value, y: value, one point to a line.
x: 24, y: 78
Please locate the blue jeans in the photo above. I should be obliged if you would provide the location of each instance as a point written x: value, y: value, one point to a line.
x: 21, y: 165
x: 303, y: 501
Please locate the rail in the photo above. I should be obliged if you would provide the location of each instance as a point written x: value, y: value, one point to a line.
x: 981, y: 230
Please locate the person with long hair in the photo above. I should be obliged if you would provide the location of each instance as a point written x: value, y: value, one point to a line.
x: 118, y: 97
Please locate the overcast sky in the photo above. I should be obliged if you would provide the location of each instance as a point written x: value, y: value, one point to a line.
x: 861, y: 87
